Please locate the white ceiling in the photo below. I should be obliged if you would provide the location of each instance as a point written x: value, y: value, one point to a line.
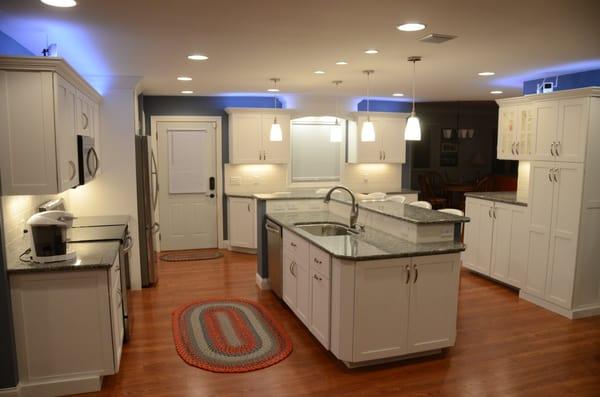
x: 249, y: 41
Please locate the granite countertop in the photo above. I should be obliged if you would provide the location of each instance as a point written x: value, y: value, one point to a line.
x: 299, y: 195
x: 408, y: 213
x: 368, y: 245
x: 503, y: 197
x: 90, y: 256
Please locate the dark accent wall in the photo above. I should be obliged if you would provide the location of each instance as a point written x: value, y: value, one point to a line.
x: 377, y: 105
x: 8, y: 359
x: 203, y: 106
x: 569, y: 81
x: 476, y: 157
x: 9, y: 46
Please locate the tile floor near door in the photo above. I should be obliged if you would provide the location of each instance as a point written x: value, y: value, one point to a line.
x: 505, y: 347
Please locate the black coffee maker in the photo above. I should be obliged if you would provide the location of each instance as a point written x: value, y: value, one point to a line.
x: 48, y: 231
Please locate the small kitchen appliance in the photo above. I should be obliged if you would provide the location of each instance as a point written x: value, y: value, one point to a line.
x: 48, y: 231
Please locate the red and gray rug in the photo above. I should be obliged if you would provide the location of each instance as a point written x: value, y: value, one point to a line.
x: 231, y: 335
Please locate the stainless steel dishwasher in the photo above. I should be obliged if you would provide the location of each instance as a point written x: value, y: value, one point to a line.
x: 275, y: 257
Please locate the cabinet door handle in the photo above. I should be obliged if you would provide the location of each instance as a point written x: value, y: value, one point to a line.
x: 384, y: 155
x: 494, y: 213
x: 554, y: 175
x: 550, y: 174
x: 248, y: 207
x: 512, y: 149
x: 517, y: 148
x: 558, y: 145
x: 85, y: 121
x: 293, y: 244
x: 407, y: 274
x: 264, y: 155
x: 552, y: 149
x: 416, y: 274
x: 73, y: 170
x: 490, y: 212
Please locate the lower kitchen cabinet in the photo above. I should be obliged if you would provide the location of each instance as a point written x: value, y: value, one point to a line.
x: 496, y: 240
x: 375, y: 309
x: 242, y: 222
x: 68, y: 329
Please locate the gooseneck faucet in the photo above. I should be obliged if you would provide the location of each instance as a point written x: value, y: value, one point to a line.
x: 354, y: 206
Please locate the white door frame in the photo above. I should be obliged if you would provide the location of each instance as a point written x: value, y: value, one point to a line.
x: 154, y: 120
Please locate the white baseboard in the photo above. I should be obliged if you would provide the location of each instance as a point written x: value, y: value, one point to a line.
x: 10, y: 392
x: 546, y: 305
x: 61, y: 387
x: 586, y: 312
x: 243, y: 250
x: 262, y: 283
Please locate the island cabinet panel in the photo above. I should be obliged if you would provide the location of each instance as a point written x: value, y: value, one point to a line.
x: 289, y: 281
x: 478, y: 235
x: 320, y: 306
x: 296, y: 276
x: 381, y: 309
x: 433, y: 303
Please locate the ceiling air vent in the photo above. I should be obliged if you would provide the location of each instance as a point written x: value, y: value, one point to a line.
x: 436, y: 38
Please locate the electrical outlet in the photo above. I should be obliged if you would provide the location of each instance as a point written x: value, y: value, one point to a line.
x: 235, y: 180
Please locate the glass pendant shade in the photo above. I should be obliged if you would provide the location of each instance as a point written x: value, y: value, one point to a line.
x: 367, y: 133
x: 276, y: 135
x: 336, y: 132
x: 412, y: 131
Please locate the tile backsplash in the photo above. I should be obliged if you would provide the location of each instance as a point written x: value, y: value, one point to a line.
x: 16, y: 211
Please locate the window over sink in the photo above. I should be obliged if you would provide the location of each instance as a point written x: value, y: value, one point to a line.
x: 315, y: 158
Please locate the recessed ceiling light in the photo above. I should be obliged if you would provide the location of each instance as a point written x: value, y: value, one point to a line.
x: 341, y: 63
x: 397, y: 94
x: 411, y: 27
x: 197, y: 57
x: 273, y: 90
x: 187, y: 92
x: 184, y: 78
x: 60, y: 3
x: 371, y: 51
x: 319, y: 72
x: 486, y: 73
x: 496, y: 92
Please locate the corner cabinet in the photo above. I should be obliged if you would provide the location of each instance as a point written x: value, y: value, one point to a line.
x: 249, y: 136
x: 389, y: 145
x: 242, y: 222
x: 496, y: 240
x: 44, y: 105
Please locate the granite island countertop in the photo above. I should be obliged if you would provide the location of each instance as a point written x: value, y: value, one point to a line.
x: 90, y: 256
x: 503, y: 197
x: 299, y: 195
x: 368, y: 245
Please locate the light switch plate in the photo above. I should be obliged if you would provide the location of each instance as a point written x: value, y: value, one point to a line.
x: 235, y: 180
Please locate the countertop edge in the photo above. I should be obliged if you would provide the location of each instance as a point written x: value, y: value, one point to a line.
x: 370, y: 257
x: 483, y: 196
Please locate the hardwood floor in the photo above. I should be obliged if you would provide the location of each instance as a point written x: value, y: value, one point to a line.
x: 505, y: 347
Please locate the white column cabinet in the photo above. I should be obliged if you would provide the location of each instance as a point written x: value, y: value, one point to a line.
x: 496, y: 240
x: 249, y: 136
x: 40, y: 103
x: 573, y: 115
x: 242, y: 222
x: 546, y: 126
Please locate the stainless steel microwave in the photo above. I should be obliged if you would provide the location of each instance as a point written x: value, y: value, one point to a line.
x: 87, y: 158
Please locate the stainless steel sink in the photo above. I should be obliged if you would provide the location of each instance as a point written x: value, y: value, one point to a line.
x: 326, y: 229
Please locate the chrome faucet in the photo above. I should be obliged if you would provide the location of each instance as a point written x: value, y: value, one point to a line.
x: 353, y: 208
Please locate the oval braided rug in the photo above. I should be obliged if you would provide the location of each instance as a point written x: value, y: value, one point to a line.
x: 229, y: 335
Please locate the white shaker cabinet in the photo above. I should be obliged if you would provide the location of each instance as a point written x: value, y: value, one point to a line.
x: 573, y: 116
x: 39, y: 123
x: 242, y: 222
x: 496, y: 240
x: 556, y: 193
x: 249, y: 136
x: 389, y: 145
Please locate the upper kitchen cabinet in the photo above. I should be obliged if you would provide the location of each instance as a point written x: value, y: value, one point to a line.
x: 249, y: 136
x: 42, y: 102
x: 389, y: 145
x: 546, y: 127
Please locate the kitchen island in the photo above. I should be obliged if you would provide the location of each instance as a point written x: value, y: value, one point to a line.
x: 384, y: 291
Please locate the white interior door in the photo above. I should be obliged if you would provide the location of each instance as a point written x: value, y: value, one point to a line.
x: 187, y: 199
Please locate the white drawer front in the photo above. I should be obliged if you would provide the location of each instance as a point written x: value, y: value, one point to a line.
x: 320, y: 261
x: 296, y: 246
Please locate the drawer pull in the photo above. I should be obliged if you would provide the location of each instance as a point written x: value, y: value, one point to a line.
x: 293, y: 244
x: 317, y: 278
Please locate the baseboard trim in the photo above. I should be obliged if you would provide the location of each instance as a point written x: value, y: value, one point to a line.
x: 546, y: 305
x: 61, y: 387
x: 586, y: 312
x: 263, y: 283
x: 352, y: 365
x: 243, y: 250
x: 10, y: 392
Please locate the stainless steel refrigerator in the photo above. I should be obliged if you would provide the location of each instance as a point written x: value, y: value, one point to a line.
x: 147, y: 194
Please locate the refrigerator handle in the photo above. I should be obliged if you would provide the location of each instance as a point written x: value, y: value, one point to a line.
x: 211, y: 183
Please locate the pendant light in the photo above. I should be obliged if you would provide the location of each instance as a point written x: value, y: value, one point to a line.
x: 337, y: 131
x: 412, y: 132
x: 367, y: 133
x: 275, y: 135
